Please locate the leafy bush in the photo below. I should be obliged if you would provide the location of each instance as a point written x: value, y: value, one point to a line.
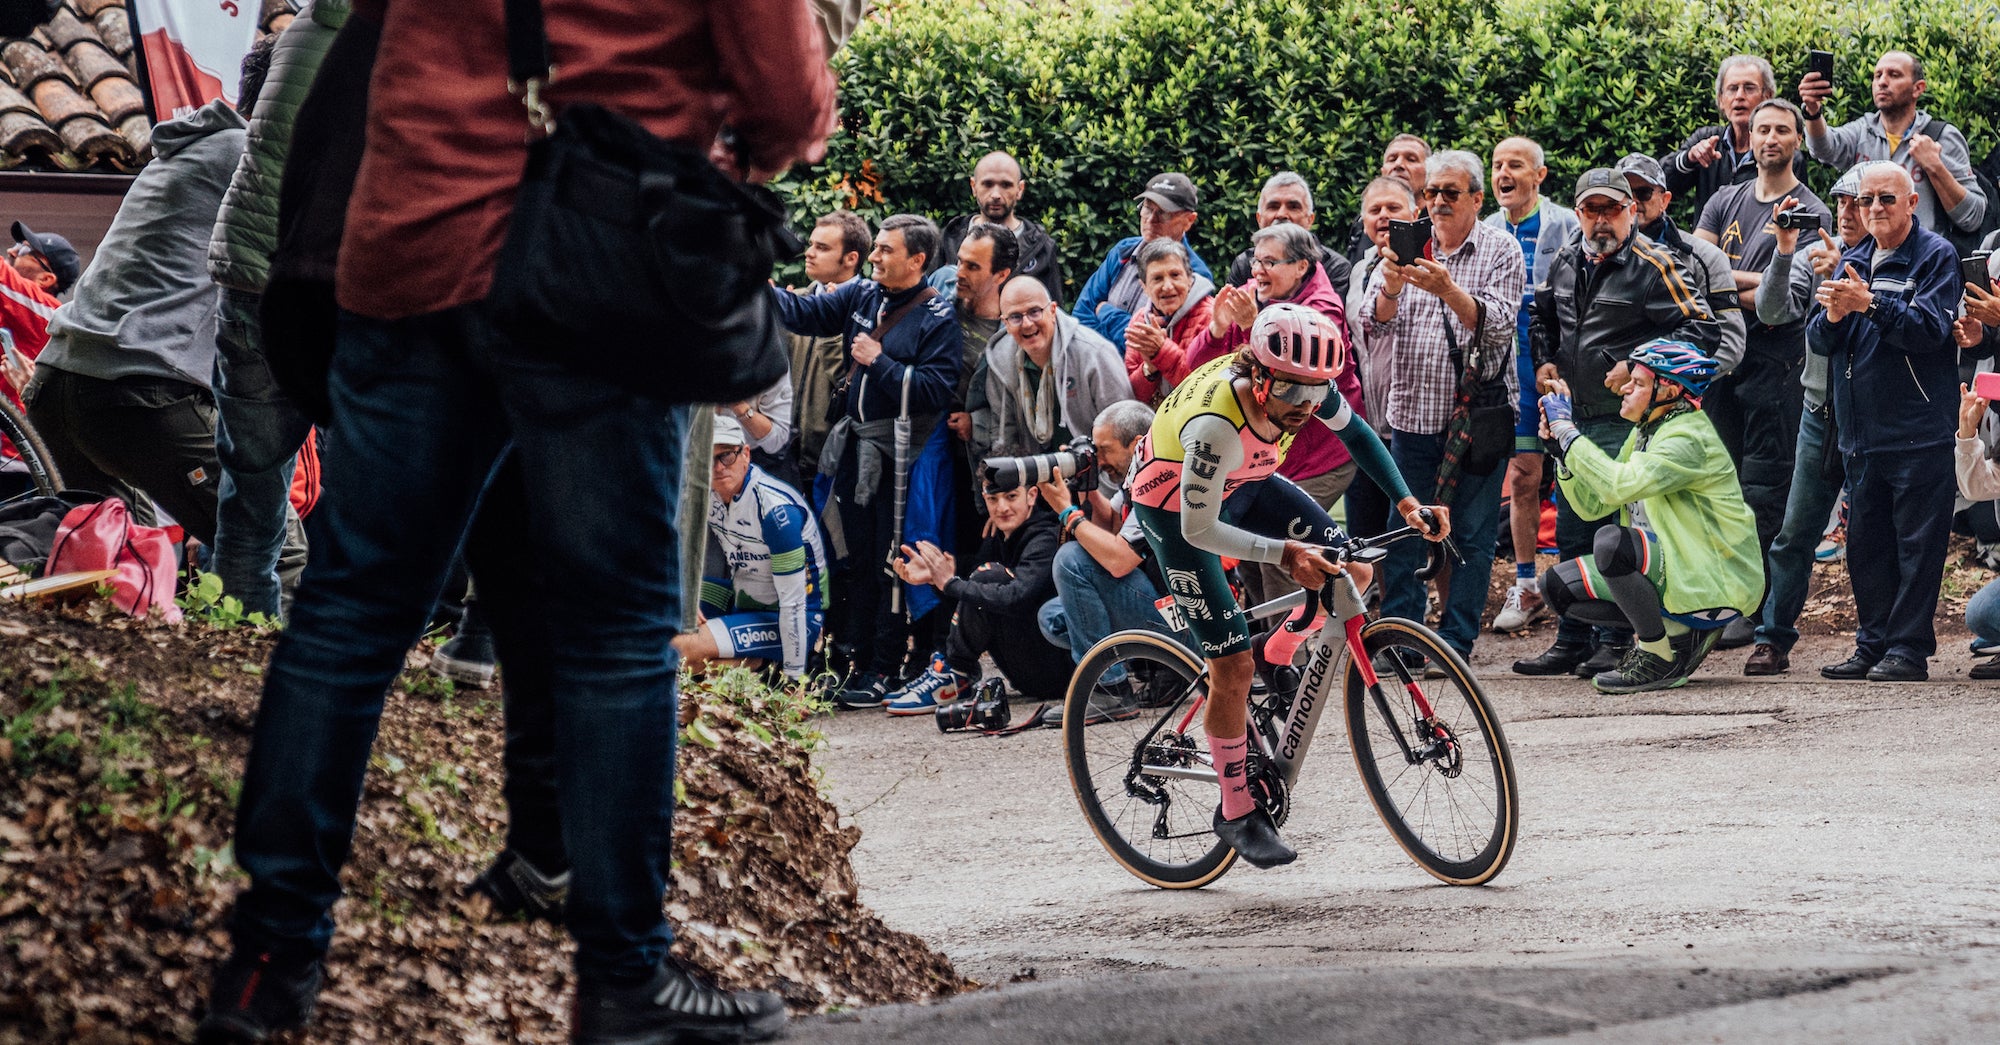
x: 1095, y: 95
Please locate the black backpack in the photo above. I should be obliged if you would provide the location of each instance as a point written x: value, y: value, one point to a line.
x: 1987, y: 174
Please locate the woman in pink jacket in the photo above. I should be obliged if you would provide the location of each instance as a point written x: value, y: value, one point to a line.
x: 1180, y: 302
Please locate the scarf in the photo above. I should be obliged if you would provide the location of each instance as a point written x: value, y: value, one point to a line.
x: 1041, y: 401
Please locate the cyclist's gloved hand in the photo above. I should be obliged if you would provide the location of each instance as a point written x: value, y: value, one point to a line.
x: 1556, y: 407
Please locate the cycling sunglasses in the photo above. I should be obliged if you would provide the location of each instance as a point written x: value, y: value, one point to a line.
x: 1300, y: 394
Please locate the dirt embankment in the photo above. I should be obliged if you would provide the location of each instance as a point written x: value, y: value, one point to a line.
x: 121, y: 748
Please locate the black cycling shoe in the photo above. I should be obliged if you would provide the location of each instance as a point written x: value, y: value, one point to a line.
x: 1559, y: 659
x: 1255, y: 838
x: 518, y: 889
x: 1641, y: 670
x: 1606, y: 658
x: 676, y: 1005
x: 255, y: 996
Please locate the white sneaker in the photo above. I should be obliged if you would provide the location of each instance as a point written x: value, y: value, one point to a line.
x: 1524, y: 607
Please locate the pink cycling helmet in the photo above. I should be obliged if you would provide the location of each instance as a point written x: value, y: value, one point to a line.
x: 1298, y: 340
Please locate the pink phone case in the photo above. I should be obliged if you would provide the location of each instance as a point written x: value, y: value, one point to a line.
x: 1986, y: 385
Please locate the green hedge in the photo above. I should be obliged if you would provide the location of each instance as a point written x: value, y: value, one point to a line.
x: 1095, y: 95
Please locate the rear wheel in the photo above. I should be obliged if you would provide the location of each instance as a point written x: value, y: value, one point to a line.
x: 1157, y: 825
x: 1443, y: 782
x: 41, y: 464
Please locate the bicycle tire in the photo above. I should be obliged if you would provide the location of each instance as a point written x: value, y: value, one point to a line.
x: 34, y: 453
x: 1126, y: 809
x: 1456, y: 810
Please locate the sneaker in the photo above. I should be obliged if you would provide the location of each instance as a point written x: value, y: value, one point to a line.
x: 1112, y: 702
x: 1833, y: 548
x: 1255, y: 838
x: 468, y: 659
x: 1524, y: 607
x: 1639, y: 671
x: 868, y: 691
x: 677, y: 1005
x: 518, y: 889
x: 255, y: 996
x: 939, y: 685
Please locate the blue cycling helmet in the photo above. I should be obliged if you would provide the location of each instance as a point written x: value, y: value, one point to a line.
x: 1679, y: 362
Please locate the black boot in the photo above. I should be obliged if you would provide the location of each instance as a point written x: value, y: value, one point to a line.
x: 1607, y: 657
x: 255, y: 996
x: 1559, y: 659
x: 1255, y: 838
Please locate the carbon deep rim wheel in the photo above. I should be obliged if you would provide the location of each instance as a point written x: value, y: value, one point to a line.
x: 1453, y: 807
x: 1159, y: 828
x: 41, y: 464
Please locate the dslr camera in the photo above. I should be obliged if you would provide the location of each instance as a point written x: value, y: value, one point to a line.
x: 985, y: 710
x: 1078, y: 462
x: 1798, y: 218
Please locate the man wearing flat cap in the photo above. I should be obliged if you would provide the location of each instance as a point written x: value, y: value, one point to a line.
x: 1168, y: 206
x: 1606, y: 293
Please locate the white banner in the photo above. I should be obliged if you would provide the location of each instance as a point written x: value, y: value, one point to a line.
x: 194, y: 50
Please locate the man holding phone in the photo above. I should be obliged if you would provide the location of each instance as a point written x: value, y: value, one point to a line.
x: 1756, y: 406
x: 1931, y: 150
x: 1721, y: 155
x: 1790, y: 279
x: 1978, y: 331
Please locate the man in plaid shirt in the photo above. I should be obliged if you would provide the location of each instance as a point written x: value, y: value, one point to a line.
x: 1463, y: 292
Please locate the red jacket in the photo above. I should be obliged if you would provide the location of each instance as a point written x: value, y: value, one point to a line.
x: 1316, y: 450
x: 24, y: 310
x: 1170, y: 365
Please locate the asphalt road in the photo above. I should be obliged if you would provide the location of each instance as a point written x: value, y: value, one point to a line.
x: 1742, y: 859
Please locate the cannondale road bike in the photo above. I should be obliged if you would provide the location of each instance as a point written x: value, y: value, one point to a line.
x: 1429, y: 747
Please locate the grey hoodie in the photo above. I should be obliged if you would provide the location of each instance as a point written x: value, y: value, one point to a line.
x: 146, y: 306
x: 1092, y: 375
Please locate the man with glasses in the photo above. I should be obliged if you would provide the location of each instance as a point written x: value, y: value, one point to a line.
x: 1605, y: 294
x: 1434, y: 317
x: 766, y: 577
x: 1785, y: 297
x: 1287, y: 198
x: 1755, y: 407
x: 1721, y: 155
x: 1931, y: 150
x: 1047, y: 375
x: 1884, y: 320
x: 1168, y: 207
x: 997, y: 185
x: 1707, y: 265
x: 39, y: 267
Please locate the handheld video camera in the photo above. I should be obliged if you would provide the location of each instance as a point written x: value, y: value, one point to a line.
x: 1798, y: 218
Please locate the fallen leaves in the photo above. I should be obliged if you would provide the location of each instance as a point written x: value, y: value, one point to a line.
x: 116, y: 800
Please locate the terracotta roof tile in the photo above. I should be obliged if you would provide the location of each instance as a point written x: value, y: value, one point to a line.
x: 69, y: 97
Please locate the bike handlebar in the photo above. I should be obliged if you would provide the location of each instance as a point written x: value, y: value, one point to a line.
x: 1344, y: 553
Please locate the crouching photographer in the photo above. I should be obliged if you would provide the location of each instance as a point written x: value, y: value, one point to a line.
x: 1105, y: 579
x: 996, y: 606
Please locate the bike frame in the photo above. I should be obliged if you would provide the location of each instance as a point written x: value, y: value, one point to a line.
x: 1316, y: 688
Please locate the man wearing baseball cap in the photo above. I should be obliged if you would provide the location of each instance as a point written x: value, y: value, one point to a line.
x: 38, y: 268
x: 1605, y: 294
x: 1706, y: 263
x: 1168, y: 206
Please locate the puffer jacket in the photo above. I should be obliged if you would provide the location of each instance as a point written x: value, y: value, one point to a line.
x: 1588, y: 318
x: 246, y: 228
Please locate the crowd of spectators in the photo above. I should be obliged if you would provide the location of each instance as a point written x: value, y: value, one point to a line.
x: 858, y: 525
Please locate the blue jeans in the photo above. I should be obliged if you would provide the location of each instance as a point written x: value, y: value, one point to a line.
x: 257, y: 437
x: 1475, y: 526
x: 423, y: 409
x: 1090, y: 603
x: 1982, y: 613
x: 1789, y: 565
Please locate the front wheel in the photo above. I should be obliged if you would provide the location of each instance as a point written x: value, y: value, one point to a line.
x: 1432, y: 755
x: 1125, y: 748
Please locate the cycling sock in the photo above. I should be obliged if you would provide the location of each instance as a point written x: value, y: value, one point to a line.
x: 1659, y: 647
x: 1232, y: 772
x: 1284, y: 643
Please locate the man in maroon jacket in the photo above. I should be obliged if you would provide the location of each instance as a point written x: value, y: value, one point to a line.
x: 426, y: 396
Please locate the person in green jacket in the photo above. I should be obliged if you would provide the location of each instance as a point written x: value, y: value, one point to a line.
x: 1683, y: 560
